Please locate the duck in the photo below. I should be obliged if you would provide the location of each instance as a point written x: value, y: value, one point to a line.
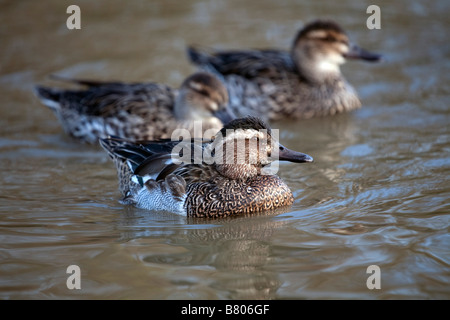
x: 138, y: 111
x: 229, y: 174
x: 302, y: 83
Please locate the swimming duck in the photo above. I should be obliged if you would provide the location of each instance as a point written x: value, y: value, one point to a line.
x: 138, y: 111
x: 303, y: 83
x: 212, y: 180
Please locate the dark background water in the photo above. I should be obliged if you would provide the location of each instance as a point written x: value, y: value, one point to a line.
x: 377, y: 194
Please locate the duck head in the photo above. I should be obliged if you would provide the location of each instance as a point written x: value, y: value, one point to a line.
x: 203, y: 97
x: 322, y: 46
x: 245, y: 146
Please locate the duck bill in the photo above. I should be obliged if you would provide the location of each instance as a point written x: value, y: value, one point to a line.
x: 285, y: 154
x: 356, y: 52
x: 225, y: 115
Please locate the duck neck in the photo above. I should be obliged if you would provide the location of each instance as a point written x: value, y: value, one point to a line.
x: 181, y: 109
x: 186, y: 114
x: 238, y: 171
x: 317, y: 68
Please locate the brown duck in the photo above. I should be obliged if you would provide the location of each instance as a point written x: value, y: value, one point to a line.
x: 301, y: 83
x: 138, y: 111
x: 205, y: 178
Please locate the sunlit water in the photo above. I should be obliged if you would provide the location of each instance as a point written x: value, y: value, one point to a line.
x: 377, y: 193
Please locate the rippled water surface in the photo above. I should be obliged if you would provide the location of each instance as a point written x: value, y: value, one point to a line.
x: 377, y: 194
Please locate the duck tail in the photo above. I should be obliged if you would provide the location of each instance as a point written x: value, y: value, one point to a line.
x: 111, y: 145
x: 201, y: 57
x: 205, y: 59
x: 124, y: 172
x: 194, y: 55
x: 49, y: 97
x: 84, y: 82
x: 125, y: 150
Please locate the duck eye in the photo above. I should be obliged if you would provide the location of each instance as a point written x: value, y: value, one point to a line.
x: 329, y: 39
x: 203, y: 92
x: 199, y: 88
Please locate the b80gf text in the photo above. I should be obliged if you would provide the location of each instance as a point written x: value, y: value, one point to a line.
x: 246, y: 309
x: 230, y: 309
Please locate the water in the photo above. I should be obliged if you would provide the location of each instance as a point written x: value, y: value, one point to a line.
x: 377, y: 194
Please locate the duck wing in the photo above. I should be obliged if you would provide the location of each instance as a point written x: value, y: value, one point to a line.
x: 153, y: 159
x: 249, y: 64
x: 109, y: 99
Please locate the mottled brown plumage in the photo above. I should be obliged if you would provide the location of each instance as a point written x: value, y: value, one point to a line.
x: 139, y: 111
x: 151, y: 178
x: 301, y: 83
x: 221, y: 197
